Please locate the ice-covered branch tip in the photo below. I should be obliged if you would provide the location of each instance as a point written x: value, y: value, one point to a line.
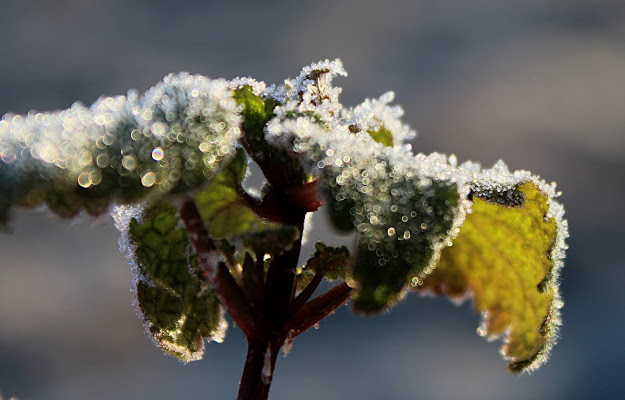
x: 407, y: 209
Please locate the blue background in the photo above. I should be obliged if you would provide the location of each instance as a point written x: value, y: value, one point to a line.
x: 540, y: 84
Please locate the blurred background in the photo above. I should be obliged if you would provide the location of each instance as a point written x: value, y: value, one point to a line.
x: 538, y: 83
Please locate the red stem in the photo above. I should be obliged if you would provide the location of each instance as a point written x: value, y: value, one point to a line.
x: 230, y: 294
x: 306, y: 294
x: 317, y: 309
x: 270, y: 315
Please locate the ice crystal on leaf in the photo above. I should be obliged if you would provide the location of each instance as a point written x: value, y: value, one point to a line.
x: 121, y: 149
x: 421, y: 221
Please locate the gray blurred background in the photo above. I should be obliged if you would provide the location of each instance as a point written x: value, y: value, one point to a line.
x: 540, y: 84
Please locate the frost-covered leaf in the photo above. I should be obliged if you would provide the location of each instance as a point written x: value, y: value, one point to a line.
x: 507, y: 257
x: 402, y: 225
x: 405, y: 207
x: 257, y: 112
x: 121, y: 149
x: 332, y: 262
x: 177, y: 304
x: 380, y: 120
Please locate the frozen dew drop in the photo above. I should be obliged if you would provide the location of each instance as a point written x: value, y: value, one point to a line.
x: 288, y: 344
x: 84, y: 180
x: 148, y: 179
x: 158, y: 154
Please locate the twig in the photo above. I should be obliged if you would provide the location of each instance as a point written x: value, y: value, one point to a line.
x: 305, y: 294
x: 317, y: 309
x: 231, y: 296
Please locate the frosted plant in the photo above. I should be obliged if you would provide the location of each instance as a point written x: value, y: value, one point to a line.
x: 170, y: 165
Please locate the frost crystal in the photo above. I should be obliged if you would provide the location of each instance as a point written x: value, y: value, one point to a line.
x: 121, y: 148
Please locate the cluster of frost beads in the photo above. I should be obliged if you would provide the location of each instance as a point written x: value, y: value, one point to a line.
x: 405, y: 207
x: 169, y: 139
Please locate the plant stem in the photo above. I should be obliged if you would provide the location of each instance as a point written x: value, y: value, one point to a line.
x: 259, y: 366
x: 266, y: 318
x: 306, y: 294
x: 232, y: 297
x: 318, y: 308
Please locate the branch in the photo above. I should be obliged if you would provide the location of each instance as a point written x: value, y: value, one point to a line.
x: 318, y: 308
x: 230, y: 294
x: 305, y: 294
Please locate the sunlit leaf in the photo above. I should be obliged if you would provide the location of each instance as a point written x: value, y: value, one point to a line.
x: 178, y: 306
x: 382, y: 135
x: 221, y: 204
x: 227, y: 216
x: 506, y: 258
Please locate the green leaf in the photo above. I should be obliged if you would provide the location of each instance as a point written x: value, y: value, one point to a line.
x: 221, y: 204
x: 333, y: 262
x: 403, y: 244
x: 507, y: 257
x: 382, y: 135
x: 403, y: 217
x: 227, y: 216
x: 178, y: 306
x: 256, y: 113
x: 278, y: 165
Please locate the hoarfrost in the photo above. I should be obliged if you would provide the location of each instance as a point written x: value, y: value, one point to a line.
x: 121, y: 148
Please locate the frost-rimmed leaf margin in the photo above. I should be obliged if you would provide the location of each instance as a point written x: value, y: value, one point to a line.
x: 508, y: 191
x: 120, y: 149
x: 185, y: 288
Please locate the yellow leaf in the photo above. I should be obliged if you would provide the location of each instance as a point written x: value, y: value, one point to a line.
x: 507, y: 257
